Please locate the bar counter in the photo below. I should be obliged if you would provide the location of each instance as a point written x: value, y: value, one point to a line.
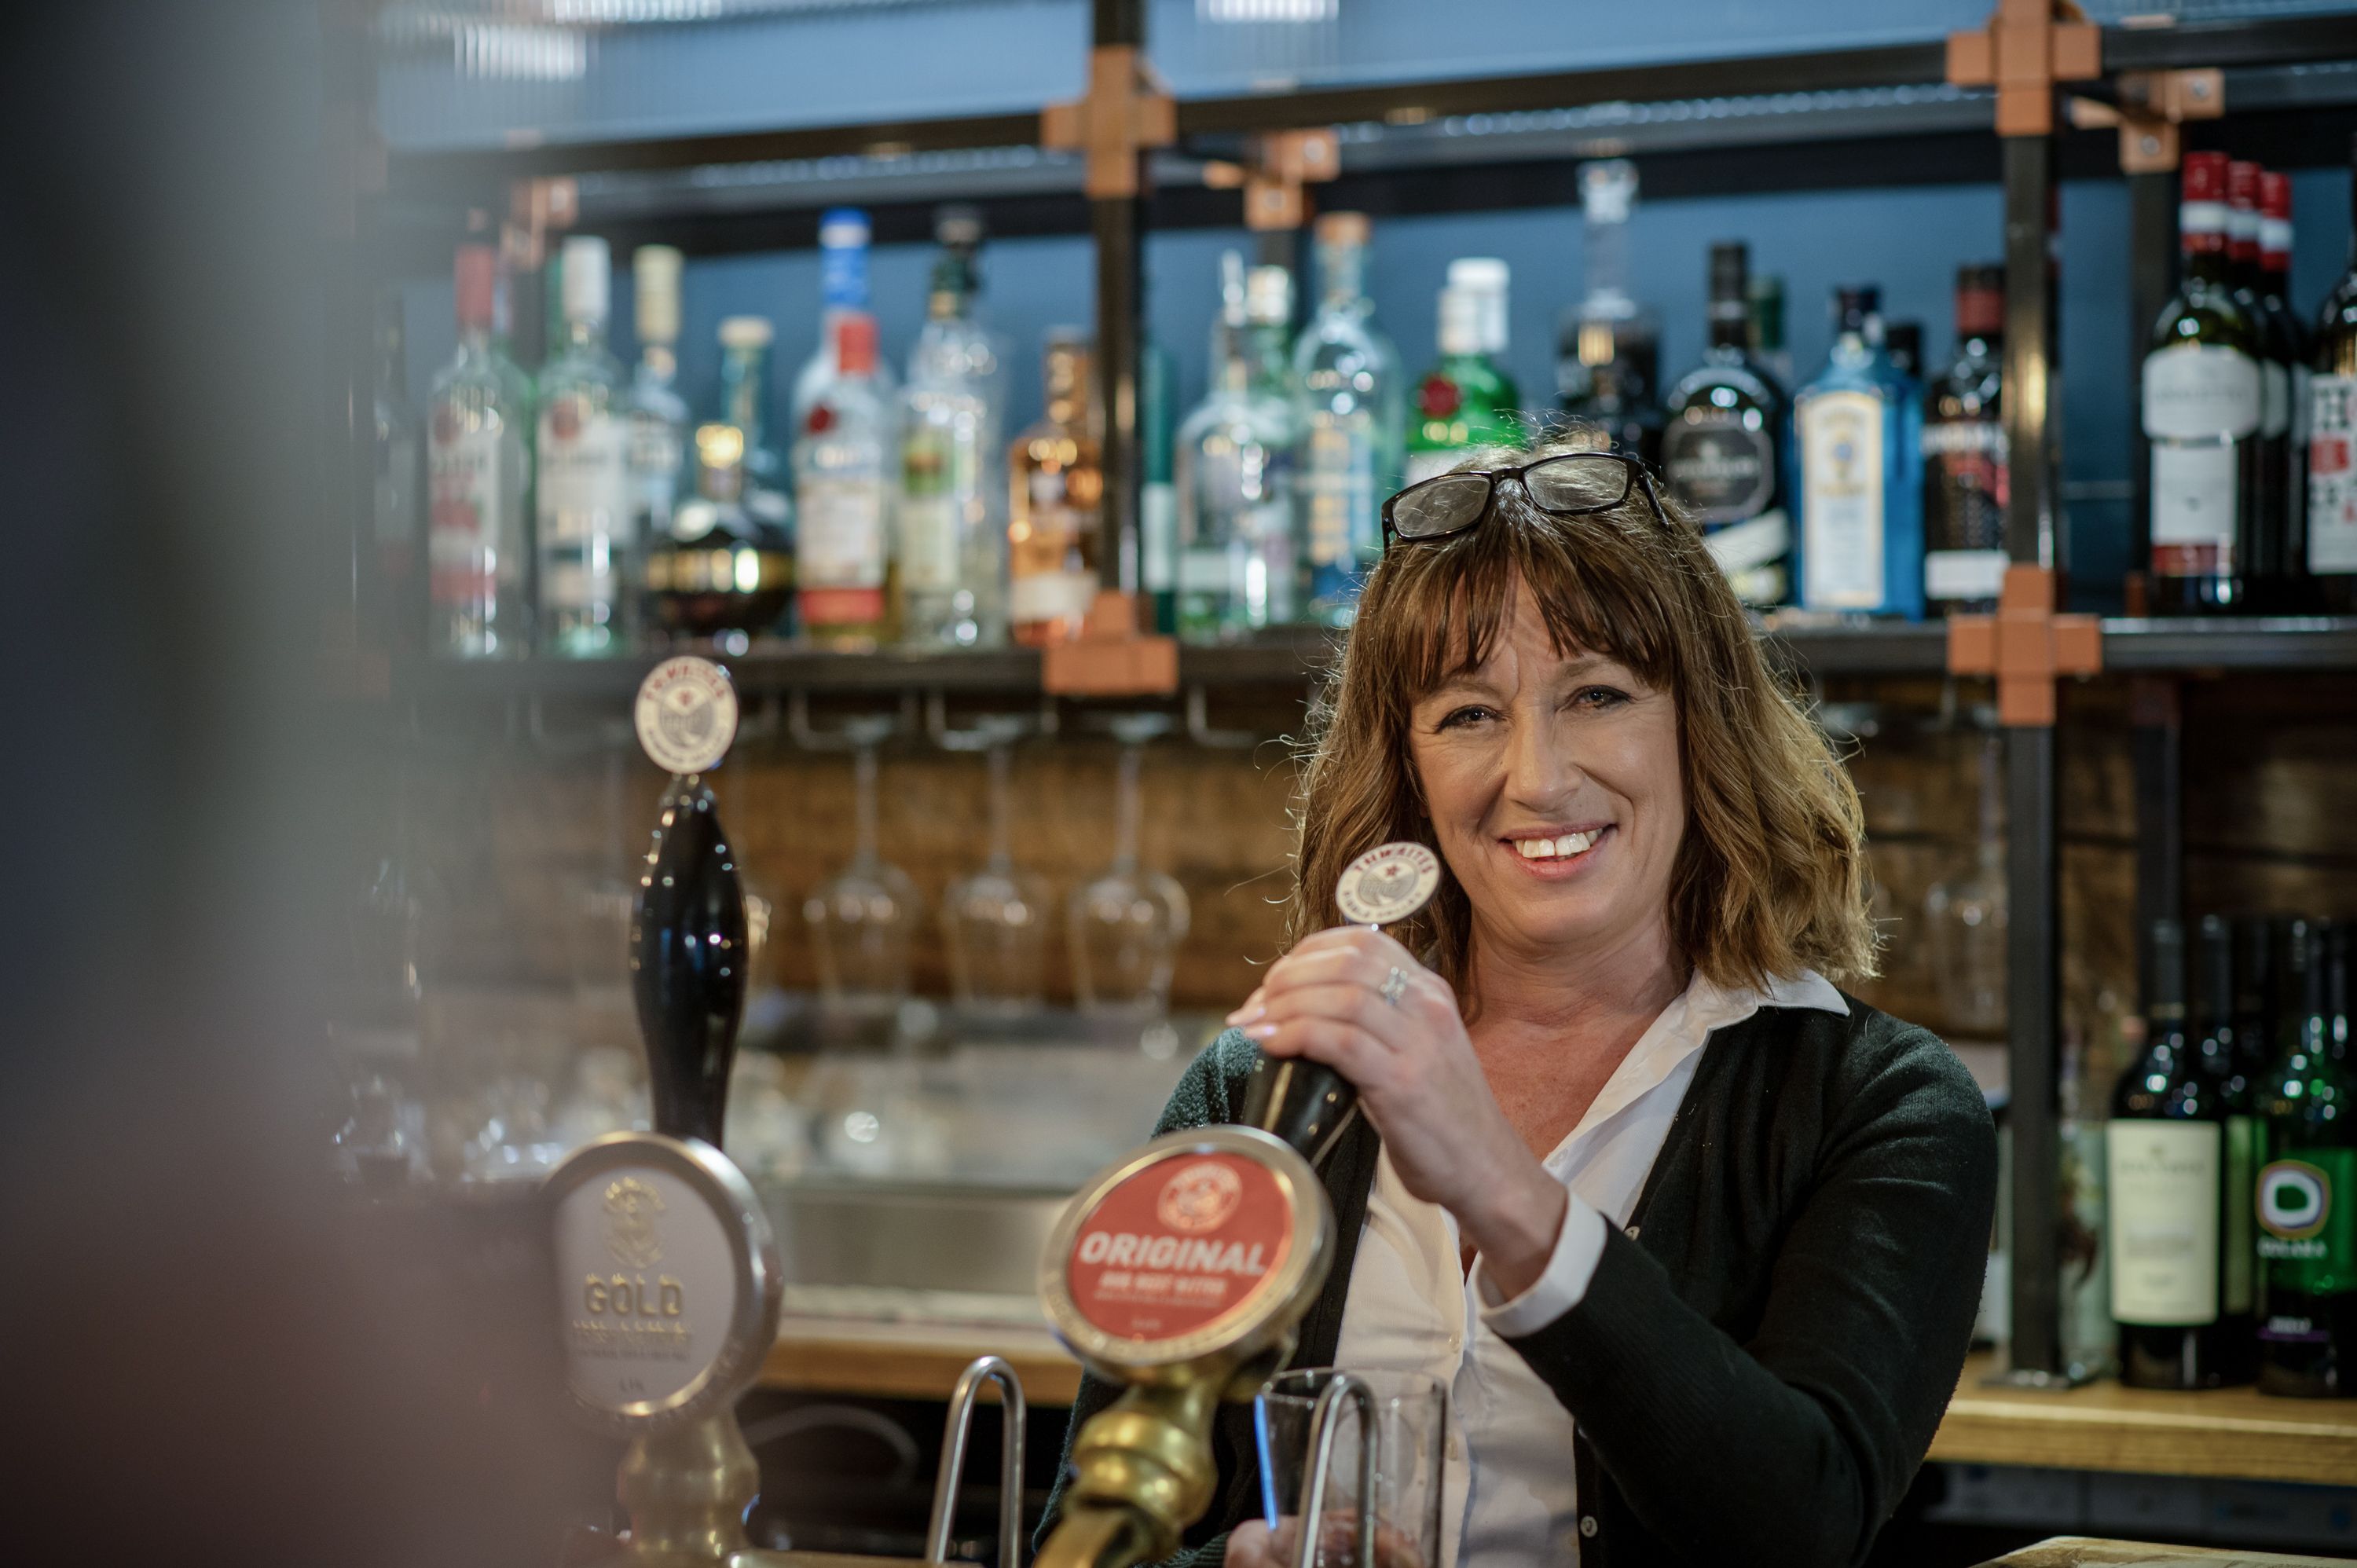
x: 2233, y: 1434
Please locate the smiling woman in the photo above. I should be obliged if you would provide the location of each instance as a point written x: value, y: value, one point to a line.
x: 1693, y: 1238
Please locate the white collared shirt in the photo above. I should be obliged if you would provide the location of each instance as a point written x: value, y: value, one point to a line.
x: 1507, y: 1491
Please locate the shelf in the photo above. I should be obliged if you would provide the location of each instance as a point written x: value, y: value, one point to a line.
x: 1292, y: 657
x: 2235, y: 1434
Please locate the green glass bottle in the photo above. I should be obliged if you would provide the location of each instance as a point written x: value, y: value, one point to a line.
x: 2307, y: 1199
x: 2165, y: 1155
x: 1466, y: 400
x: 2224, y: 1056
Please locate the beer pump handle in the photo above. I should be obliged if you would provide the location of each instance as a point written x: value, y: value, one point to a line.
x: 1305, y: 1103
x: 689, y: 953
x: 689, y: 949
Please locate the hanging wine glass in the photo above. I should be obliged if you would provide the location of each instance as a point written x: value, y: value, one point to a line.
x: 1127, y: 923
x: 995, y: 918
x: 863, y: 918
x: 1966, y: 917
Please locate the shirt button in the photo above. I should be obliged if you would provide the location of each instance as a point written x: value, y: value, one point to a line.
x: 1631, y: 1231
x: 1588, y: 1524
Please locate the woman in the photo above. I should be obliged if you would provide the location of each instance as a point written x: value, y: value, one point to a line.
x: 1693, y: 1238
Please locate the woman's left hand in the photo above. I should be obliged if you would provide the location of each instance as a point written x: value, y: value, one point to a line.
x: 1420, y: 1082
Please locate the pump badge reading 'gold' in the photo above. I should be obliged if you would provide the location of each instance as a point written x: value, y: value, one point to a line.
x: 648, y: 1286
x: 1387, y: 884
x: 686, y: 714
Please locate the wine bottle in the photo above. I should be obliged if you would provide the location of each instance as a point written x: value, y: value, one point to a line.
x: 2202, y: 406
x: 2269, y: 491
x: 2307, y: 1202
x: 2332, y: 437
x: 2216, y: 1042
x: 2166, y: 1161
x: 1965, y: 472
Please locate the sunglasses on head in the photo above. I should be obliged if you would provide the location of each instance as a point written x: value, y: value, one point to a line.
x: 1573, y: 485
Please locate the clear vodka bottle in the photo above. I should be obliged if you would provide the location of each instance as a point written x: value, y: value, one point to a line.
x: 657, y: 414
x: 478, y: 461
x: 1235, y: 467
x: 950, y: 522
x: 585, y: 541
x: 1352, y: 420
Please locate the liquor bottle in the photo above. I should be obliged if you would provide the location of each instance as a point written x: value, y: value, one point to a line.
x: 1965, y: 473
x: 585, y: 542
x: 398, y: 501
x: 843, y: 235
x: 950, y: 524
x: 1723, y: 446
x: 2201, y: 404
x: 2268, y: 493
x: 2332, y: 437
x: 1158, y: 494
x: 2294, y: 593
x: 658, y: 414
x: 2225, y: 1057
x: 745, y: 404
x: 478, y: 456
x: 1903, y: 341
x: 2306, y: 1204
x: 1764, y: 301
x: 1466, y: 399
x: 1607, y: 347
x: 1858, y: 431
x: 1351, y: 421
x: 717, y: 570
x: 1235, y: 467
x: 1056, y: 486
x: 2255, y: 994
x: 2166, y: 1157
x: 842, y: 481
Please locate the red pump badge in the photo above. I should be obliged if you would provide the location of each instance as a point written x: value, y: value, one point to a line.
x: 1179, y: 1244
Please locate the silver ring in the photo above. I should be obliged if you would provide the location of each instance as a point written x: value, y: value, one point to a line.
x: 1394, y: 985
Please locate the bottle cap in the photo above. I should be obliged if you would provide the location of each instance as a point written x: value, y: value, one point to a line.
x: 1460, y: 321
x: 2243, y: 209
x: 1608, y: 189
x: 2205, y: 177
x: 1980, y: 300
x: 2275, y: 217
x: 1341, y: 229
x: 477, y: 277
x: 587, y: 282
x: 655, y: 270
x: 854, y: 343
x: 686, y: 714
x: 746, y: 332
x: 2243, y: 184
x: 957, y: 225
x: 841, y: 227
x: 1387, y: 884
x: 1268, y: 296
x: 1853, y: 307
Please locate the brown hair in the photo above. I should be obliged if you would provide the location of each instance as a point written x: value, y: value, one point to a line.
x: 1771, y: 873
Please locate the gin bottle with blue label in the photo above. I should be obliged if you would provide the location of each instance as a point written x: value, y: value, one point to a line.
x: 1857, y: 437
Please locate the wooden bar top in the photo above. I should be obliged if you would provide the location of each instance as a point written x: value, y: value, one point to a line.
x: 2085, y: 1551
x: 2231, y: 1433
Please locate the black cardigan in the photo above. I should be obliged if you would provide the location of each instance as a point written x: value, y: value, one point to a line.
x: 1762, y: 1357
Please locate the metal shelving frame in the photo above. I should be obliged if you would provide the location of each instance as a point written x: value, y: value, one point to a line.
x: 1882, y: 91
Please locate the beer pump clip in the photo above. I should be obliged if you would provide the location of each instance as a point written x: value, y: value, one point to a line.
x: 1184, y: 1268
x: 669, y: 1285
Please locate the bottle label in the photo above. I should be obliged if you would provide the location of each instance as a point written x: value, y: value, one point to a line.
x: 2308, y: 1221
x: 2195, y: 499
x: 1721, y: 471
x: 1963, y: 576
x: 2164, y: 1186
x: 2199, y: 391
x: 1841, y: 465
x: 473, y: 550
x: 2241, y: 1158
x: 2333, y: 474
x: 1338, y: 490
x: 839, y: 550
x: 1755, y: 557
x: 1158, y: 529
x: 585, y: 504
x: 928, y: 535
x: 2275, y: 399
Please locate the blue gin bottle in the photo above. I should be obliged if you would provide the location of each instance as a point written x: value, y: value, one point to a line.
x: 1858, y: 434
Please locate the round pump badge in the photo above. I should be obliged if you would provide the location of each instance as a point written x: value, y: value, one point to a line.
x: 1387, y: 884
x: 686, y: 714
x: 1194, y: 1244
x: 668, y: 1284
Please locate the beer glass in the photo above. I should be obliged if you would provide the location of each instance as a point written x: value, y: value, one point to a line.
x: 863, y: 919
x: 1411, y: 1433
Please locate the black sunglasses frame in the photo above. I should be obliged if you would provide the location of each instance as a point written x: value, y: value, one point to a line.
x: 1638, y: 479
